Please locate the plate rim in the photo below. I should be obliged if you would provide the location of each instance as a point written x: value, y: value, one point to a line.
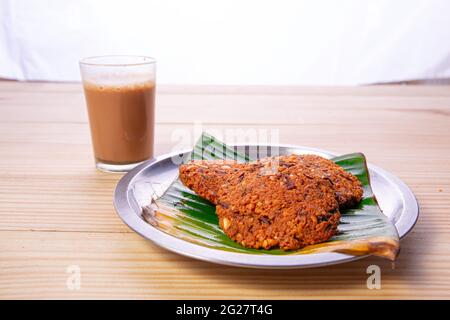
x: 192, y: 250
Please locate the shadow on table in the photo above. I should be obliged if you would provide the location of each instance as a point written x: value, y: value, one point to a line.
x: 310, y: 282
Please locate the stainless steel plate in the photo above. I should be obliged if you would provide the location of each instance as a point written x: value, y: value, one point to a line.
x: 135, y: 189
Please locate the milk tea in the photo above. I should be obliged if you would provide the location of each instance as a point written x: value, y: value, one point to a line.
x: 122, y: 121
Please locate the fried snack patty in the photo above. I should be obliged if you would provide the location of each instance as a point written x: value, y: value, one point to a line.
x: 346, y: 186
x: 205, y: 177
x: 287, y: 201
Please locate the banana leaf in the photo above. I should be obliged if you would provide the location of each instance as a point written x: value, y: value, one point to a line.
x: 182, y: 213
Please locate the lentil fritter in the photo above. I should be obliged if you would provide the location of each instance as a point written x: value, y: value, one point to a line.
x: 287, y: 201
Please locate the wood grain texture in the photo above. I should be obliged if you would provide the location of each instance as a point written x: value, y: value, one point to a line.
x: 56, y: 209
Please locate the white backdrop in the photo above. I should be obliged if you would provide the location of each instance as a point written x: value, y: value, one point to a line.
x: 317, y: 42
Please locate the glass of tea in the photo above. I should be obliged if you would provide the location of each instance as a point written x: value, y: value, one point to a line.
x: 120, y: 98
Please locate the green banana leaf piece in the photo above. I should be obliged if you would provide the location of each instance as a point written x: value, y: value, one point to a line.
x: 183, y: 214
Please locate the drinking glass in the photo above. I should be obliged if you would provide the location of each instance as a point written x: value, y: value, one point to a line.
x: 120, y: 99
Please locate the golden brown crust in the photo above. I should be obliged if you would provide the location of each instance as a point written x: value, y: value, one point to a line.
x: 287, y: 201
x: 347, y: 187
x: 289, y: 230
x: 206, y: 177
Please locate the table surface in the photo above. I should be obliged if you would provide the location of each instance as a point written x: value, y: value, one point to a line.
x: 56, y: 209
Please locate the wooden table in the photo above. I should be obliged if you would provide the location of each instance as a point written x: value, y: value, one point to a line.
x: 56, y: 209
